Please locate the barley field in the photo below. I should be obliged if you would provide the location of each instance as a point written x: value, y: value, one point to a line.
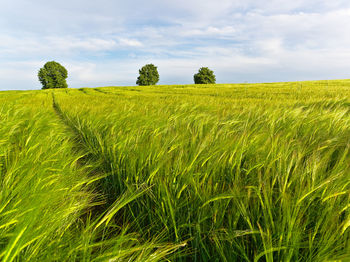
x: 236, y: 172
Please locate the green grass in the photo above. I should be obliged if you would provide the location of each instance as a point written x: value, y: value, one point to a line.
x: 236, y: 172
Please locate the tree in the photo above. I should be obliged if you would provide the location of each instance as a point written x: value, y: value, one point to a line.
x: 148, y: 75
x: 53, y: 75
x: 204, y: 76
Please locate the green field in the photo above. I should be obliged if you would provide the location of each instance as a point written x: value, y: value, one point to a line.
x: 239, y: 172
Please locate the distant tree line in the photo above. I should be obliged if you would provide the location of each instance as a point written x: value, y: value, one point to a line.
x: 54, y: 75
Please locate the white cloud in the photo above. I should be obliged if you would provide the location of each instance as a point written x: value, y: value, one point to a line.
x: 130, y: 42
x: 73, y: 43
x: 209, y: 31
x: 107, y: 42
x: 60, y: 45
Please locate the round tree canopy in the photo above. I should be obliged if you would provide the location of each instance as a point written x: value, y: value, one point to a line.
x: 53, y: 75
x: 204, y: 76
x: 148, y: 75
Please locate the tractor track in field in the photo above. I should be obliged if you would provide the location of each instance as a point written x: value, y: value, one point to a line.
x: 80, y: 148
x: 90, y: 158
x: 107, y: 92
x: 59, y: 112
x: 77, y: 136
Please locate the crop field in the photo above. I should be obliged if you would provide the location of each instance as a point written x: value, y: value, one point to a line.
x: 236, y: 172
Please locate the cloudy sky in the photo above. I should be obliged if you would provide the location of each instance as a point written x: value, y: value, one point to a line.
x: 105, y: 42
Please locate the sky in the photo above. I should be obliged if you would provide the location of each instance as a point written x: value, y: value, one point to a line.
x: 106, y: 42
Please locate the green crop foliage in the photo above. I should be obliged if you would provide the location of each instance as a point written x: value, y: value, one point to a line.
x: 245, y: 172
